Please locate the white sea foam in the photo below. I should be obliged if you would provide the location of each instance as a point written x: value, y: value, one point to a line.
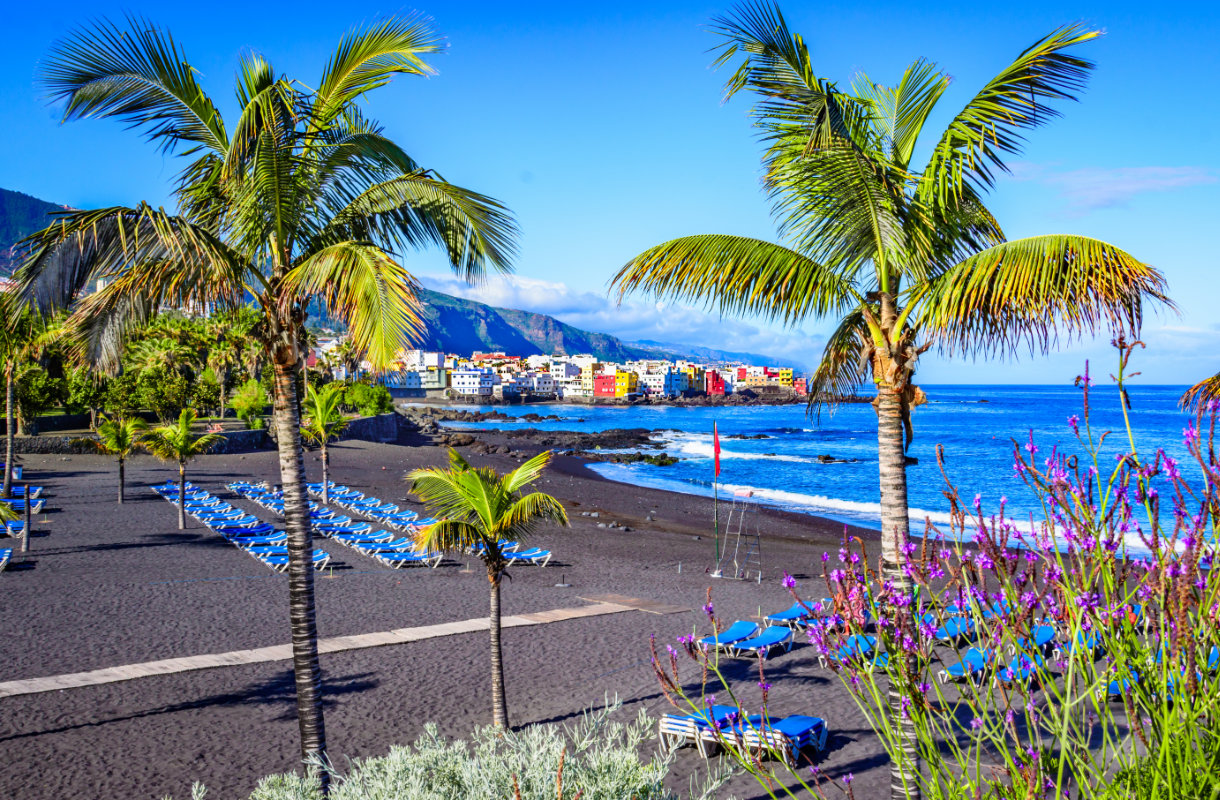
x: 701, y: 446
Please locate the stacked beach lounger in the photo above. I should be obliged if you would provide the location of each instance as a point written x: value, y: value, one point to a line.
x: 390, y: 549
x: 256, y: 538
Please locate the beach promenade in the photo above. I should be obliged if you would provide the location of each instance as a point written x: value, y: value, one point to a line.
x: 113, y: 592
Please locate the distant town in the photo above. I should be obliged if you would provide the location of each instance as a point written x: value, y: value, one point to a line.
x: 577, y: 378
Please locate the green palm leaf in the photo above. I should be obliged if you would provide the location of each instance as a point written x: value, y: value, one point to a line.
x: 1031, y: 292
x: 735, y: 274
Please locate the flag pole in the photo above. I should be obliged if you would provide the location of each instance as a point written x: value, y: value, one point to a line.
x: 716, y: 492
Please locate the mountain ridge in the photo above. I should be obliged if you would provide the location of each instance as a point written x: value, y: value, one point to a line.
x: 454, y: 324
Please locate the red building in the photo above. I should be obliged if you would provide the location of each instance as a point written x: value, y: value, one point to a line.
x: 603, y: 386
x: 800, y: 386
x: 713, y: 382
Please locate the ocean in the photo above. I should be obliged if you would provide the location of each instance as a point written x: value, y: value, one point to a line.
x: 975, y: 424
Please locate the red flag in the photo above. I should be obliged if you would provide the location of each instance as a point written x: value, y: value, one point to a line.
x: 716, y: 446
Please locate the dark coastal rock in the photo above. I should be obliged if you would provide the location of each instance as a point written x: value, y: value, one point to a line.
x: 613, y: 439
x: 749, y: 436
x: 458, y: 440
x: 826, y: 458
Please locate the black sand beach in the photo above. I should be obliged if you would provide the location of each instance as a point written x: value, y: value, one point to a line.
x: 106, y: 585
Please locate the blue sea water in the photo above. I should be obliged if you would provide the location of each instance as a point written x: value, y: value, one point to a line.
x: 975, y: 424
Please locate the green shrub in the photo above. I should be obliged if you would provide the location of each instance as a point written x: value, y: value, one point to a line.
x: 165, y: 392
x: 368, y: 400
x: 601, y: 761
x: 122, y: 395
x: 206, y: 392
x: 36, y: 392
x: 249, y: 402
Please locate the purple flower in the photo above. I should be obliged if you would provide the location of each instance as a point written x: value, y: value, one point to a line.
x: 707, y: 609
x: 789, y: 581
x: 766, y: 687
x: 976, y: 723
x: 848, y: 778
x: 1074, y: 421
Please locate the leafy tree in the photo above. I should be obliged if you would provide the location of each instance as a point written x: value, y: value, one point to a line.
x: 165, y: 392
x: 300, y: 198
x: 368, y: 400
x: 161, y: 354
x: 86, y: 392
x: 179, y: 443
x: 249, y: 402
x: 124, y: 394
x: 906, y: 256
x: 480, y: 510
x: 323, y: 422
x: 36, y: 392
x: 206, y: 392
x: 119, y: 437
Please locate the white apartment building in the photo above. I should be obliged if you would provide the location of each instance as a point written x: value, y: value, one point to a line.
x: 423, y: 360
x: 474, y: 382
x: 663, y: 382
x: 541, y: 382
x: 538, y: 363
x: 403, y: 379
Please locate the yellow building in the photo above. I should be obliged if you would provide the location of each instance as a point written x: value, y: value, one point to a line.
x: 785, y: 377
x: 587, y: 373
x: 626, y: 383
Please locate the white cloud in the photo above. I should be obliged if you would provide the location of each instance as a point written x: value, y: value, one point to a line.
x: 1094, y: 188
x: 632, y: 320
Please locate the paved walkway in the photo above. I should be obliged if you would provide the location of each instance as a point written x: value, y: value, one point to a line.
x: 283, y: 652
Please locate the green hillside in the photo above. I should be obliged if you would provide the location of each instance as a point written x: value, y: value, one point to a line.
x: 20, y: 215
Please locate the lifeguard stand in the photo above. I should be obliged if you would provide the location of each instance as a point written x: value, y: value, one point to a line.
x: 741, y: 558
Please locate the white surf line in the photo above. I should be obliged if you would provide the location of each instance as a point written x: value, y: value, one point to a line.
x: 283, y: 652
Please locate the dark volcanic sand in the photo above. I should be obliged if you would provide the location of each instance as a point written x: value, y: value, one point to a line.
x: 106, y: 585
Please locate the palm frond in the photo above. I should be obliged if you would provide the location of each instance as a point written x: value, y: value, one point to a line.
x: 177, y: 442
x: 735, y: 274
x: 368, y: 289
x: 137, y: 74
x: 844, y: 366
x: 367, y: 59
x: 993, y: 123
x: 450, y: 535
x: 527, y: 473
x: 419, y: 209
x: 525, y: 515
x: 1033, y: 291
x: 1204, y: 395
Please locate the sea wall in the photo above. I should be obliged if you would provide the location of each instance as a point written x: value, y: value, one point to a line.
x: 381, y: 428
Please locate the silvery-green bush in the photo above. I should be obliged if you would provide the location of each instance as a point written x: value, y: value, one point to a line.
x: 601, y: 760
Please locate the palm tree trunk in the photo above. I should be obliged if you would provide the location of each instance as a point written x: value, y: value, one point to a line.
x: 301, y: 610
x: 499, y: 708
x: 25, y: 532
x: 122, y: 477
x: 224, y: 378
x: 325, y: 475
x: 181, y: 496
x: 8, y: 432
x: 895, y: 523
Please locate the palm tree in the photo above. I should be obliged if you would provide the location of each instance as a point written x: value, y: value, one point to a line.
x: 222, y: 357
x: 479, y: 510
x: 323, y: 422
x: 119, y: 437
x: 161, y: 352
x: 179, y: 443
x: 904, y: 256
x: 300, y: 199
x: 24, y: 336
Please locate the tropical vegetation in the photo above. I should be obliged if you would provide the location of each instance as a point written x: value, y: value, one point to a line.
x: 299, y: 198
x: 323, y: 422
x: 180, y: 444
x: 119, y: 437
x: 905, y: 255
x: 480, y: 511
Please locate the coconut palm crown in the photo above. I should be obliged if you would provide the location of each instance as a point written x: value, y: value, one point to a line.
x: 323, y: 422
x: 119, y: 437
x: 480, y: 511
x: 179, y: 443
x: 904, y: 255
x: 299, y: 197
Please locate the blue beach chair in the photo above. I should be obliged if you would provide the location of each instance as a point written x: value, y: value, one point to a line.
x: 975, y: 662
x: 6, y: 555
x: 773, y: 637
x: 786, y: 737
x: 678, y: 730
x: 798, y: 615
x: 737, y: 632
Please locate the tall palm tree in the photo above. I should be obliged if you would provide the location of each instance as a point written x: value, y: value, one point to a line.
x: 905, y: 256
x: 323, y: 421
x: 480, y: 510
x: 301, y: 198
x: 222, y: 356
x: 179, y: 443
x: 24, y: 336
x: 119, y: 437
x: 161, y: 352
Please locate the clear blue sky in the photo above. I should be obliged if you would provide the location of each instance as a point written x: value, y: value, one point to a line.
x: 601, y: 126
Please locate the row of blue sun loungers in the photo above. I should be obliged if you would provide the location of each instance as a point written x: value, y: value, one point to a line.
x: 747, y: 640
x: 410, y: 523
x: 727, y: 726
x: 253, y: 536
x: 362, y: 537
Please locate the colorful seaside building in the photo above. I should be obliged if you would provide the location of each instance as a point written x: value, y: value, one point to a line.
x: 626, y: 383
x: 604, y: 385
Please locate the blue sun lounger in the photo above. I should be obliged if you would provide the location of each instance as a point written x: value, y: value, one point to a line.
x: 737, y: 632
x: 247, y: 542
x: 534, y: 555
x: 1041, y: 637
x: 1084, y: 642
x: 954, y: 629
x: 385, y: 546
x: 5, y: 555
x: 786, y: 737
x: 1024, y: 669
x: 974, y: 663
x: 798, y: 614
x: 19, y: 505
x: 14, y: 527
x: 279, y: 563
x: 363, y: 538
x: 328, y: 528
x: 26, y: 491
x: 773, y: 637
x: 246, y: 526
x: 398, y: 560
x: 855, y: 647
x: 677, y: 730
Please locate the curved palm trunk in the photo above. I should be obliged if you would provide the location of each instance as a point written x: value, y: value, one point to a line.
x: 895, y: 527
x: 8, y: 432
x: 301, y: 610
x: 895, y: 523
x: 181, y: 495
x: 25, y: 532
x: 325, y: 474
x: 499, y: 708
x: 122, y: 478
